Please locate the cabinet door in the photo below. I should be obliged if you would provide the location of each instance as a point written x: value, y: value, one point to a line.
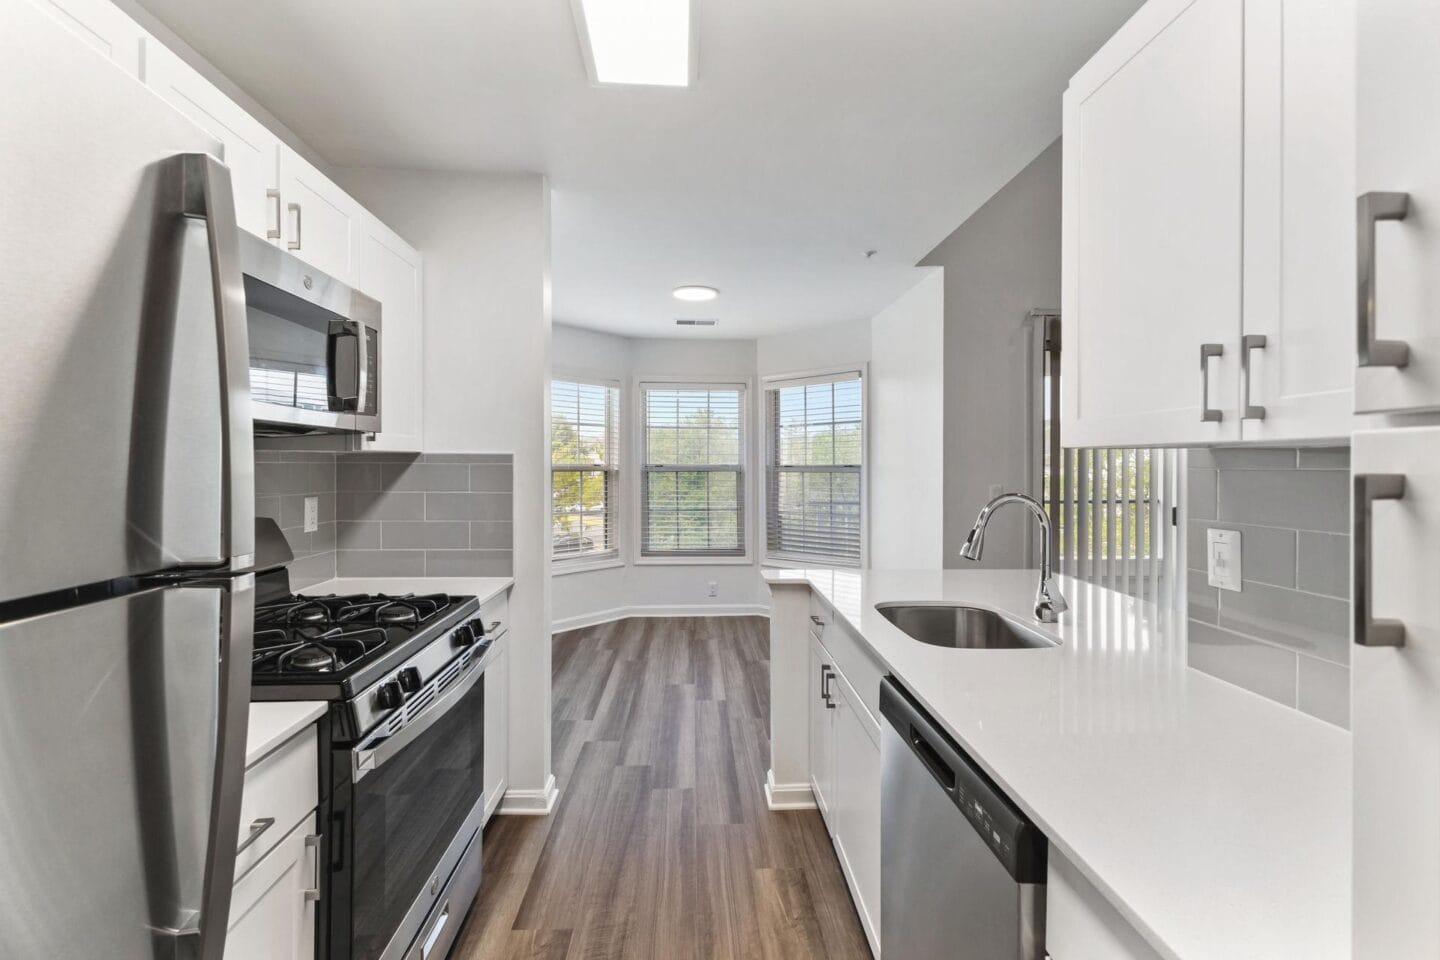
x: 390, y: 271
x: 1395, y: 704
x: 497, y: 734
x: 251, y: 150
x: 822, y: 732
x: 321, y: 224
x: 1151, y: 239
x: 1299, y: 218
x: 272, y: 911
x: 105, y: 27
x: 1398, y: 150
x: 857, y: 803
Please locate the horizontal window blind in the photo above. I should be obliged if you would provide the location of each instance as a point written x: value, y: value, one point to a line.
x: 814, y: 438
x: 692, y: 499
x: 584, y: 473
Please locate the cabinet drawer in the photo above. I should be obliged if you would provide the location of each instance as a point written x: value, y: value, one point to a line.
x: 852, y: 658
x: 281, y: 789
x: 496, y: 610
x: 820, y: 614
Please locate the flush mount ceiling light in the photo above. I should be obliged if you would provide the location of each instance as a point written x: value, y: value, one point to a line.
x: 647, y: 42
x: 695, y: 293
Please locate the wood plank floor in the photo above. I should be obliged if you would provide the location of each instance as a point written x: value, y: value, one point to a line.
x: 661, y: 845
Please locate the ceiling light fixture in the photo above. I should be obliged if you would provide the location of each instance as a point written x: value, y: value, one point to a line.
x: 695, y: 293
x: 695, y: 323
x: 647, y: 42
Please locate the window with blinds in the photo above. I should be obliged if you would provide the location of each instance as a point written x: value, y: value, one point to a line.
x: 814, y: 442
x: 584, y: 472
x: 692, y: 498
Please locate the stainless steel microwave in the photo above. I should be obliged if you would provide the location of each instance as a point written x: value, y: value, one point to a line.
x: 314, y: 346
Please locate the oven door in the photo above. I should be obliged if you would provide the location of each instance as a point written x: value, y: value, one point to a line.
x: 413, y: 803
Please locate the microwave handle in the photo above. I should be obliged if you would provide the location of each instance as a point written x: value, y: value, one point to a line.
x: 347, y: 401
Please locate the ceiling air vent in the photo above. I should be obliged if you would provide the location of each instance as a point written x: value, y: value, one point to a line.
x: 696, y: 323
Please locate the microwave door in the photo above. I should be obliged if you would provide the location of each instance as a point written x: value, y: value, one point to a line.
x: 116, y: 454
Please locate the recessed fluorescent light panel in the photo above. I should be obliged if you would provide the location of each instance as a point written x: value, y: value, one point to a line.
x: 695, y: 293
x: 644, y: 42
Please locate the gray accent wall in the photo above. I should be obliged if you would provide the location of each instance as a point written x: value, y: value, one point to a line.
x: 387, y: 514
x: 1000, y: 264
x: 1285, y: 635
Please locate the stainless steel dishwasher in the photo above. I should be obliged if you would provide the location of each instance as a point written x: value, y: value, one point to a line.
x: 962, y: 868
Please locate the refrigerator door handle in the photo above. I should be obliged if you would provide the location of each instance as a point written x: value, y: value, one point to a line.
x: 206, y: 194
x: 237, y: 635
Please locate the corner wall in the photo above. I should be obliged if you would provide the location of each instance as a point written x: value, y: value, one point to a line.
x: 1001, y: 263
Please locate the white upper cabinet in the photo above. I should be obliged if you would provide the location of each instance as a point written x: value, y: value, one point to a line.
x: 1153, y: 159
x: 390, y: 271
x: 252, y: 152
x: 1299, y: 220
x: 1398, y: 153
x: 1208, y: 242
x: 102, y: 25
x: 320, y: 223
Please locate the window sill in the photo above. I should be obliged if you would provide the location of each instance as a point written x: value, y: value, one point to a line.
x: 694, y: 561
x: 806, y: 563
x: 559, y: 568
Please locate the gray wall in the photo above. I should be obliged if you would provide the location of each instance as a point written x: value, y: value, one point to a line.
x: 1285, y: 635
x: 999, y: 265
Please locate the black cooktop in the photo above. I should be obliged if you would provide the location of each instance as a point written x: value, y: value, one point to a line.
x: 331, y: 646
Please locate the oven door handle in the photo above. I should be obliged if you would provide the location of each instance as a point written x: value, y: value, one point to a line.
x: 373, y: 753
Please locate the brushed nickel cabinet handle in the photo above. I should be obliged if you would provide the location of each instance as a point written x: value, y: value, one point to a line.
x: 295, y: 244
x: 256, y: 829
x: 1369, y: 487
x: 1371, y: 208
x: 273, y: 233
x: 312, y: 842
x: 818, y: 621
x: 1251, y: 341
x: 1207, y: 413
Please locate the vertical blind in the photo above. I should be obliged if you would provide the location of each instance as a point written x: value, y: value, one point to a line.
x: 1114, y: 508
x: 692, y: 498
x: 814, y: 441
x: 584, y: 472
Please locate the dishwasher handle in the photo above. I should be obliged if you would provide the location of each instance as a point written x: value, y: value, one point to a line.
x: 1011, y: 836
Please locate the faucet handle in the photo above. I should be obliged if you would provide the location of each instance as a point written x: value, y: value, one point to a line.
x: 1049, y: 602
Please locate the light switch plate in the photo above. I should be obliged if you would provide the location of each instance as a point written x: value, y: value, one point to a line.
x: 1222, y: 558
x: 312, y: 514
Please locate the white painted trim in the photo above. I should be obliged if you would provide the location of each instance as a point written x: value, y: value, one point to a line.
x: 531, y: 803
x: 787, y: 796
x: 660, y: 610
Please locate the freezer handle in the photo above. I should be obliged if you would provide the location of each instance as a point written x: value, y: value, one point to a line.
x: 206, y: 194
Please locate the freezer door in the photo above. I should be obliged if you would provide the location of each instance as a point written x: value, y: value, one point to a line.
x: 112, y: 716
x: 121, y: 317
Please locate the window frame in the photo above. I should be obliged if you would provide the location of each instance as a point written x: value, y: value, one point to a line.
x: 637, y: 554
x: 796, y: 378
x: 615, y: 555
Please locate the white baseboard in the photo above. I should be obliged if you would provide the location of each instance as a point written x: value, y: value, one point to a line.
x: 787, y: 796
x: 530, y: 803
x: 660, y: 610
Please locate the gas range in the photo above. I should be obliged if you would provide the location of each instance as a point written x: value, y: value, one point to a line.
x: 371, y: 653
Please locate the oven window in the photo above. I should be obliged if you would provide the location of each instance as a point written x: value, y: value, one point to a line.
x: 406, y: 813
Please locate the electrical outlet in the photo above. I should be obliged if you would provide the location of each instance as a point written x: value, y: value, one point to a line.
x: 1222, y: 563
x: 312, y: 514
x: 714, y: 589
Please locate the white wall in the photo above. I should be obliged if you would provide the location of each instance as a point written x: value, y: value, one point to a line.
x: 832, y: 346
x: 486, y: 242
x: 907, y: 441
x: 632, y: 588
x: 1000, y: 264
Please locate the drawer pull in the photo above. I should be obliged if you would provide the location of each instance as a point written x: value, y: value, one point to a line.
x: 818, y: 621
x: 312, y: 842
x: 1369, y: 487
x: 256, y: 829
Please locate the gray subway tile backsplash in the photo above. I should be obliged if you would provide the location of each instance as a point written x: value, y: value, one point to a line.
x: 1284, y: 635
x: 387, y: 514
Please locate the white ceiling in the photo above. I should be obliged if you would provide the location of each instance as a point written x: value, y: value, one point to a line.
x: 816, y: 130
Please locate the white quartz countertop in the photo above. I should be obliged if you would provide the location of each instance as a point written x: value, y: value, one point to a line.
x: 485, y: 588
x: 271, y: 724
x: 1217, y: 822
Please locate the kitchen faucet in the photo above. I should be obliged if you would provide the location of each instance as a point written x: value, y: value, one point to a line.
x: 1049, y: 603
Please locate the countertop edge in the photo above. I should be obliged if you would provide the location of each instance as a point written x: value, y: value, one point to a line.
x: 274, y: 723
x: 484, y: 589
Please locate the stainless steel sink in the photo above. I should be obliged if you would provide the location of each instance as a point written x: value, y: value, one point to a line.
x: 965, y: 628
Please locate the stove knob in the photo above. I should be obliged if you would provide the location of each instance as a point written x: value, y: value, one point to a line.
x: 409, y: 679
x: 464, y: 636
x: 389, y: 696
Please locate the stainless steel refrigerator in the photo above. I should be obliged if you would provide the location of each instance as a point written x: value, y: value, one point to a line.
x: 126, y: 512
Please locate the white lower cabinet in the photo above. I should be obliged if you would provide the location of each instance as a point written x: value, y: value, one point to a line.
x: 272, y: 907
x: 845, y: 779
x: 497, y: 734
x: 1080, y: 924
